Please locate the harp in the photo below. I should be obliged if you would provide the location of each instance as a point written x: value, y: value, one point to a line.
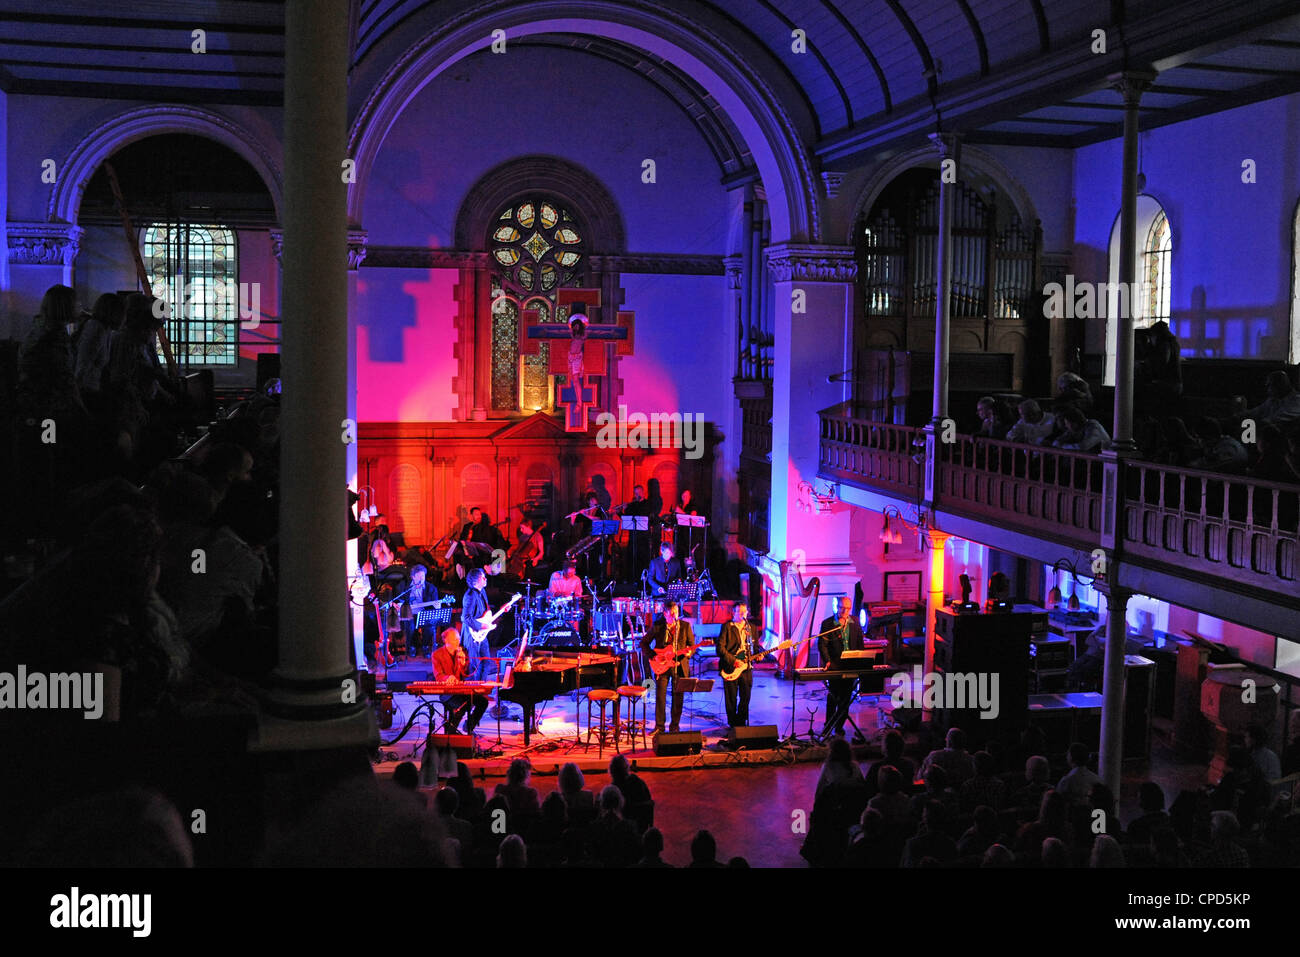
x: 798, y: 605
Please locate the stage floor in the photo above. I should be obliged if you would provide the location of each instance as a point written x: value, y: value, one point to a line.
x: 559, y: 741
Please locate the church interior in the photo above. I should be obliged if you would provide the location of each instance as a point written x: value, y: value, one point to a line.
x: 540, y: 433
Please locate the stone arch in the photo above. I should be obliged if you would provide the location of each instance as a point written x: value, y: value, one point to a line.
x: 123, y: 129
x: 769, y: 131
x: 583, y: 192
x: 978, y: 160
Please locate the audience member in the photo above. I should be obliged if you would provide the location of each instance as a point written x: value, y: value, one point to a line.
x: 1037, y: 769
x: 1078, y: 433
x: 612, y: 839
x: 993, y: 418
x: 1265, y: 759
x: 953, y: 758
x: 523, y: 798
x: 982, y: 834
x: 1282, y: 404
x: 1219, y: 452
x: 512, y: 853
x: 1077, y: 783
x: 572, y: 787
x: 893, y: 758
x: 838, y: 767
x: 985, y: 787
x: 652, y: 849
x: 930, y: 839
x: 1224, y: 850
x: 704, y: 850
x: 1151, y: 801
x: 1034, y: 427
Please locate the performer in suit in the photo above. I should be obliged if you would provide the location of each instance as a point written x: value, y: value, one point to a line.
x: 638, y: 557
x: 663, y: 570
x: 734, y: 647
x: 839, y: 633
x: 451, y: 664
x: 474, y: 606
x: 670, y: 631
x: 419, y: 641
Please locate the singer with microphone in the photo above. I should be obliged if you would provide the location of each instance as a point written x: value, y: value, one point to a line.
x: 451, y: 665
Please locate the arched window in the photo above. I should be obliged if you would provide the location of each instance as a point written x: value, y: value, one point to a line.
x: 192, y: 267
x: 1294, y: 349
x: 537, y: 246
x: 1155, y: 272
x: 1149, y: 300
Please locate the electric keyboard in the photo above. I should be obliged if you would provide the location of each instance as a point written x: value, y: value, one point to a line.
x: 458, y: 687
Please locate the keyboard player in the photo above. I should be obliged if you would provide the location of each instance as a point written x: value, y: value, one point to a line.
x: 451, y: 665
x: 838, y: 634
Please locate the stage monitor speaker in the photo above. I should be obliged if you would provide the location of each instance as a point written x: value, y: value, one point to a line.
x: 683, y: 742
x: 754, y: 737
x: 462, y: 744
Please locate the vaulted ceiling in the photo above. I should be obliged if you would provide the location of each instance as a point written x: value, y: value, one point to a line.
x: 873, y: 75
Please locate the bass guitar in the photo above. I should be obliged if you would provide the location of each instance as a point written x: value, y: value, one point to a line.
x: 741, y: 666
x: 442, y: 602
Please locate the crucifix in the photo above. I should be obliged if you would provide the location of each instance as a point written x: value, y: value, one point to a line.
x: 580, y: 367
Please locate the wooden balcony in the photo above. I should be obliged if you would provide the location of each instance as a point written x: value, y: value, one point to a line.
x: 1184, y: 532
x: 755, y: 397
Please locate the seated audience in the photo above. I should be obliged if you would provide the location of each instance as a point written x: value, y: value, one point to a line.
x: 985, y: 787
x: 872, y: 844
x: 839, y: 766
x: 523, y: 798
x: 930, y: 840
x: 999, y: 855
x: 445, y: 804
x: 891, y: 803
x: 1078, y: 433
x: 1034, y: 427
x: 1265, y: 759
x: 572, y: 787
x: 953, y: 758
x: 1281, y: 407
x: 893, y: 758
x: 635, y: 791
x: 512, y: 853
x: 611, y: 839
x: 652, y: 849
x: 1219, y: 452
x: 993, y: 418
x: 1037, y: 769
x: 982, y: 834
x: 1072, y: 390
x: 1053, y: 853
x: 1053, y: 821
x: 704, y: 851
x: 1077, y: 783
x: 1224, y: 850
x: 1151, y: 801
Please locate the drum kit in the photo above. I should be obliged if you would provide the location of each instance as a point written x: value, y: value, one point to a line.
x: 618, y: 623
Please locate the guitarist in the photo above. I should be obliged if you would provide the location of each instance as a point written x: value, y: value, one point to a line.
x: 734, y: 647
x: 670, y: 632
x: 473, y: 607
x: 419, y: 641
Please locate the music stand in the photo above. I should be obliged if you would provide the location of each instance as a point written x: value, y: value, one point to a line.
x: 634, y: 524
x: 694, y: 686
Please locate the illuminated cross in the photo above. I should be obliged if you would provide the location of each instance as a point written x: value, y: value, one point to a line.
x: 577, y: 397
x: 576, y: 401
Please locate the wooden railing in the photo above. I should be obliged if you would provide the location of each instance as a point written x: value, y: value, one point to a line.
x: 875, y: 454
x: 1189, y: 521
x: 1223, y: 525
x: 1025, y: 486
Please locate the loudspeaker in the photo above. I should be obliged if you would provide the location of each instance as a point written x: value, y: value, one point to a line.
x: 755, y: 737
x: 684, y: 742
x: 462, y: 744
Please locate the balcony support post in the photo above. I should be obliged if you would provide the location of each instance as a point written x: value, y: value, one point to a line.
x: 1112, y: 688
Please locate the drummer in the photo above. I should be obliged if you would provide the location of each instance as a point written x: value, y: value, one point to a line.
x: 565, y: 583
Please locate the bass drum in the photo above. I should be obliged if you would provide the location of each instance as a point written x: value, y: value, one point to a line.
x: 557, y: 634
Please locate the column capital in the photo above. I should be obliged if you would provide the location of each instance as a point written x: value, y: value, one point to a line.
x: 734, y: 266
x: 1131, y: 84
x: 42, y: 244
x: 947, y: 144
x: 356, y: 246
x: 807, y: 262
x: 832, y: 180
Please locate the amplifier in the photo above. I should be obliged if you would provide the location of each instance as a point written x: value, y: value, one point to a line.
x: 755, y: 737
x: 683, y: 742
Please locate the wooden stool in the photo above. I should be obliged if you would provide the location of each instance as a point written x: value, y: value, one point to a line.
x: 632, y: 694
x: 602, y: 697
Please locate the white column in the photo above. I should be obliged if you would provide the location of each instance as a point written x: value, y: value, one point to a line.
x: 314, y: 682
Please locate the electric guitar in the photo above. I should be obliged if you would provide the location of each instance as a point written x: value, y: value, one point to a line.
x: 742, y: 665
x: 442, y: 602
x: 488, y: 622
x: 666, y: 658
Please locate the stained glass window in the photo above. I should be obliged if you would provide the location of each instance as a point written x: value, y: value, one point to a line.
x: 541, y: 250
x: 1156, y: 256
x: 192, y: 267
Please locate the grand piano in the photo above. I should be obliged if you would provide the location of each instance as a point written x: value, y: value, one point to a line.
x: 556, y: 671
